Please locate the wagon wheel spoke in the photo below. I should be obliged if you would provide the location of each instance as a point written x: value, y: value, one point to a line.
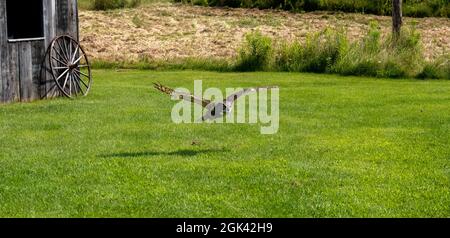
x: 78, y: 71
x: 61, y: 67
x: 60, y: 76
x: 80, y: 78
x: 66, y: 50
x: 61, y: 56
x: 65, y: 81
x: 61, y: 50
x: 59, y: 61
x: 75, y: 54
x: 70, y: 67
x: 74, y: 87
x: 70, y: 87
x: 77, y: 84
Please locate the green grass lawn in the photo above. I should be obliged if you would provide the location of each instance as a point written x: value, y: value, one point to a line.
x: 347, y: 147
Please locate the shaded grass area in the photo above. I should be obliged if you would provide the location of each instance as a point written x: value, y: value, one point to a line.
x: 347, y: 147
x: 192, y: 63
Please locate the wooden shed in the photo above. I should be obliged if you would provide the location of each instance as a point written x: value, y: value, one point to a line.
x: 28, y: 30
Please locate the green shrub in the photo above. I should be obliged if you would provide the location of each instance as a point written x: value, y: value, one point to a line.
x: 329, y: 51
x: 322, y: 50
x: 430, y: 71
x: 405, y: 53
x: 445, y: 12
x: 133, y: 3
x: 318, y: 54
x: 361, y: 58
x: 437, y: 69
x: 289, y: 57
x: 389, y: 57
x: 418, y: 10
x: 102, y: 5
x: 256, y: 52
x: 414, y: 8
x: 391, y: 69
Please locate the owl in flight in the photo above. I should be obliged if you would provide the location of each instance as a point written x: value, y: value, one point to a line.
x: 214, y: 109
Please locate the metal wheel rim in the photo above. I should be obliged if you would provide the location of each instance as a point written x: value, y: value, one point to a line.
x: 66, y: 60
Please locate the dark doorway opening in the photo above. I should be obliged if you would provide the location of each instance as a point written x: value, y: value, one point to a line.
x: 25, y: 19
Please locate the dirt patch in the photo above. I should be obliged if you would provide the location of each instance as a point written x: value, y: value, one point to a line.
x: 165, y: 30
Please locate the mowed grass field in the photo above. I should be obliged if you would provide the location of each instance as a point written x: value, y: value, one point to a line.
x: 346, y: 147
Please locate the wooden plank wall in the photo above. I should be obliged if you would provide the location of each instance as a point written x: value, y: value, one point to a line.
x: 21, y: 78
x: 67, y: 18
x: 62, y: 19
x: 29, y: 64
x: 38, y: 49
x: 9, y: 80
x: 2, y: 47
x: 48, y: 87
x: 11, y: 89
x: 73, y: 19
x: 25, y: 71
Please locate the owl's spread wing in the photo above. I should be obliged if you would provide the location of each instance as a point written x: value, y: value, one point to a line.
x: 181, y: 95
x: 233, y: 97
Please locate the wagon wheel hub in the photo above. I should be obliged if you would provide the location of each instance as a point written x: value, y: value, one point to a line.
x: 73, y: 66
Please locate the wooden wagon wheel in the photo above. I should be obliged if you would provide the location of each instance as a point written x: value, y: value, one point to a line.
x: 70, y: 67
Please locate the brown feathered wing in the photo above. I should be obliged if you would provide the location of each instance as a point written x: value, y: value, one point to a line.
x: 181, y: 95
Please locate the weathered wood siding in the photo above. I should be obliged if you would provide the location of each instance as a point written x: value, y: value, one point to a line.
x: 2, y: 48
x: 21, y: 77
x: 47, y: 85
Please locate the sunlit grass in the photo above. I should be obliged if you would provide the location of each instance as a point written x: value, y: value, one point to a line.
x: 347, y: 147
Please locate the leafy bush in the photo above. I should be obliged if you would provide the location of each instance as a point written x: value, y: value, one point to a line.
x: 430, y: 71
x: 102, y: 5
x: 406, y: 52
x: 318, y: 54
x: 438, y: 7
x: 329, y: 51
x: 414, y: 8
x: 361, y: 57
x: 133, y: 3
x: 418, y: 10
x: 288, y: 57
x: 389, y: 57
x: 255, y: 53
x: 438, y: 69
x: 379, y: 7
